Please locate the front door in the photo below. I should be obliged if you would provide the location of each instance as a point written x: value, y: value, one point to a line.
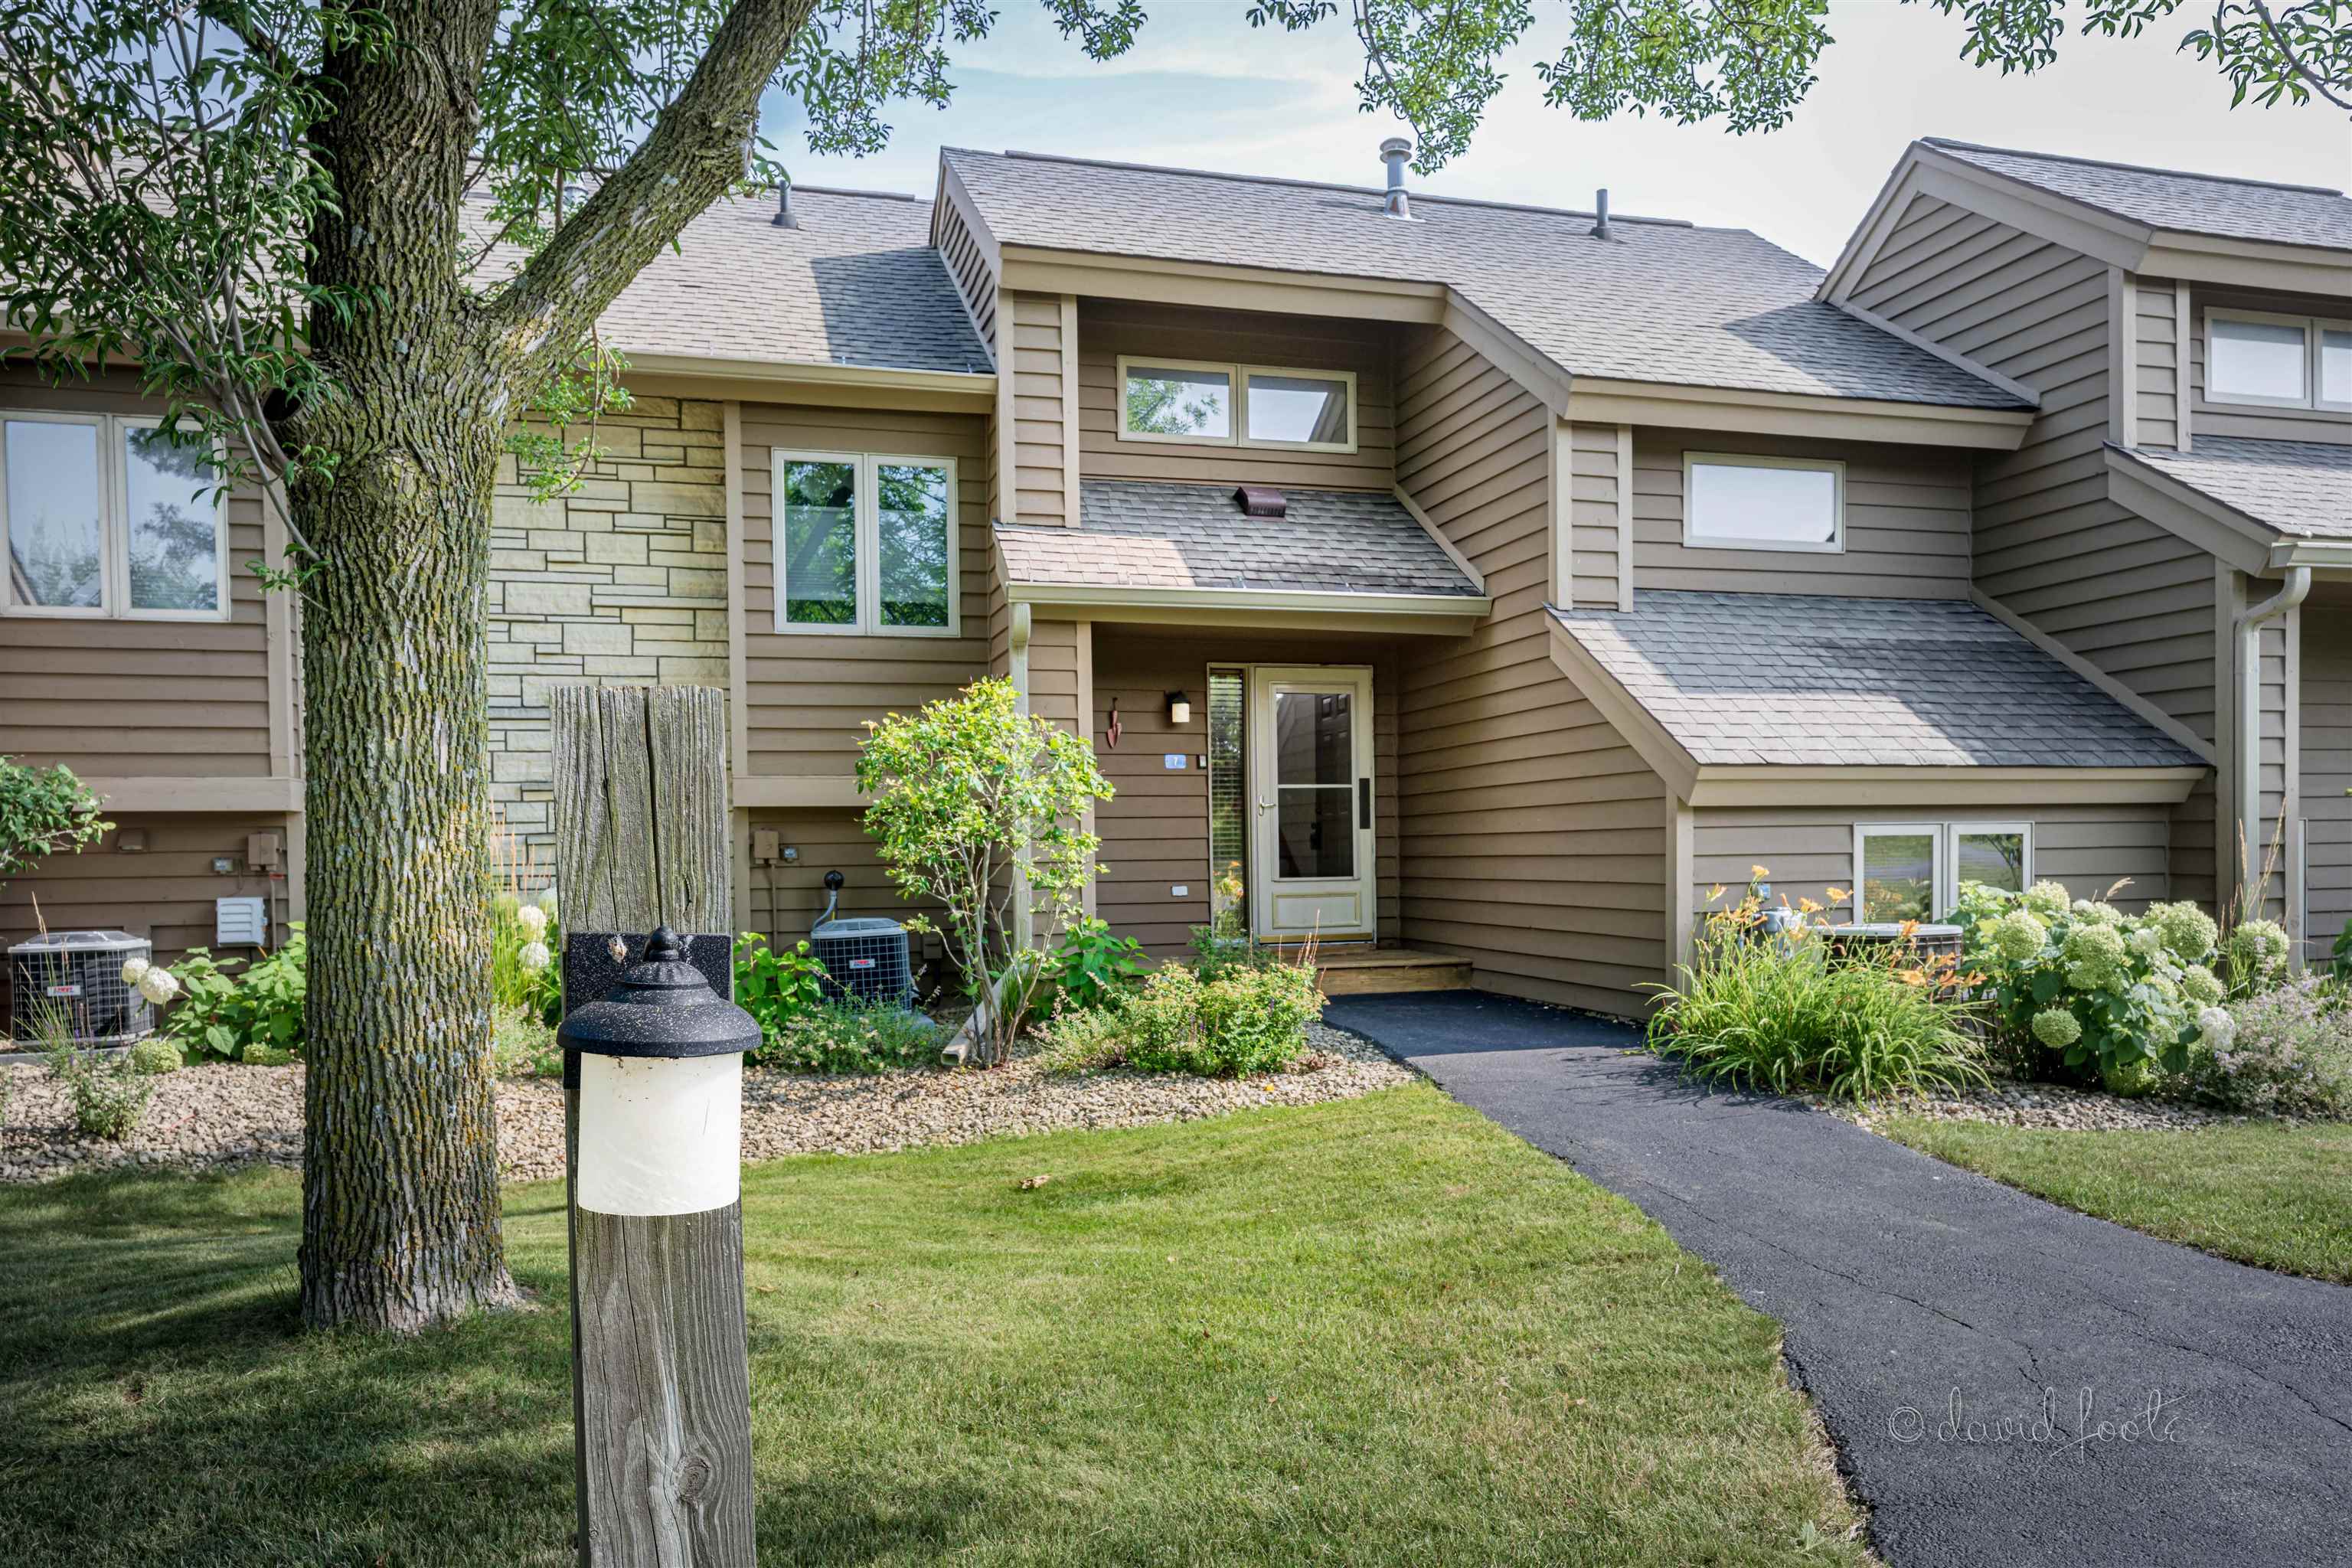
x: 1311, y: 783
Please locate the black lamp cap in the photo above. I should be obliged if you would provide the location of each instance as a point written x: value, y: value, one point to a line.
x: 661, y: 1008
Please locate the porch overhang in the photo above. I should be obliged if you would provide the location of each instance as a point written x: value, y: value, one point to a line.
x: 1425, y: 614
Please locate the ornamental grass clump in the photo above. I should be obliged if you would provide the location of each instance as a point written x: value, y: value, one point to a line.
x: 1787, y: 1011
x: 2083, y: 990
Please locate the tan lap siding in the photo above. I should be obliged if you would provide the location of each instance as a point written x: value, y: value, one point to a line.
x: 1037, y: 456
x: 810, y: 693
x: 1907, y: 522
x: 164, y: 892
x: 1809, y: 849
x: 125, y: 698
x: 1107, y: 329
x: 1534, y: 839
x: 2155, y: 368
x: 1155, y: 829
x: 2326, y: 737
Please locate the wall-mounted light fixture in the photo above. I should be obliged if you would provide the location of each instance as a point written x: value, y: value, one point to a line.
x: 661, y: 1088
x: 1179, y: 708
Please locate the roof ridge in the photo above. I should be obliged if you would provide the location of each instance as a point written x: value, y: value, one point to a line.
x: 2129, y: 168
x: 1373, y: 191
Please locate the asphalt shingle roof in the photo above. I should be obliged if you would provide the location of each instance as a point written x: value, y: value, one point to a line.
x: 1140, y: 534
x: 857, y: 283
x: 2174, y: 199
x: 2302, y: 487
x: 1810, y: 679
x: 1658, y: 302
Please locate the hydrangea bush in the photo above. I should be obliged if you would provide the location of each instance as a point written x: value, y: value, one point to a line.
x: 2122, y: 995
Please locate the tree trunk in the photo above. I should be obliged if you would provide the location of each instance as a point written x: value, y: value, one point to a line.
x: 400, y: 1171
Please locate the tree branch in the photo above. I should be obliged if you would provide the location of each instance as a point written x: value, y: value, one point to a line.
x: 693, y: 154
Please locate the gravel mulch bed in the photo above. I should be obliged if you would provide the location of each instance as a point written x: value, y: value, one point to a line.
x: 222, y: 1114
x: 2042, y: 1105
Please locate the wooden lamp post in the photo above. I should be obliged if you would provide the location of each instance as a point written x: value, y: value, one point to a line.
x: 653, y: 1111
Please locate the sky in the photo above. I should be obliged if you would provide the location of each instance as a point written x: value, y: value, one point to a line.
x: 1202, y: 89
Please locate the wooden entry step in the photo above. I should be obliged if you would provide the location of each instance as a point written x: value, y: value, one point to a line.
x: 1384, y: 971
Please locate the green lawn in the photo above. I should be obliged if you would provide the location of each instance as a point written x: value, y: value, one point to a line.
x: 1379, y: 1332
x: 2272, y: 1195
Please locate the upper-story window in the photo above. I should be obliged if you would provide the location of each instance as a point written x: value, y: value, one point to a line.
x: 1735, y: 502
x: 109, y: 516
x: 864, y: 542
x: 2292, y: 362
x: 1237, y: 404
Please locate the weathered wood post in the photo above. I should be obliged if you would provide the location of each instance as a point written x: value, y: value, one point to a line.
x: 661, y: 1392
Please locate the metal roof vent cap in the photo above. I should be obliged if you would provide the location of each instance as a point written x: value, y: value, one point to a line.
x: 1600, y: 214
x: 1261, y: 501
x: 1393, y: 152
x: 785, y: 218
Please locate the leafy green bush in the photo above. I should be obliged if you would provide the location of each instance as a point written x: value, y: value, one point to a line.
x: 2287, y: 1051
x: 1786, y: 1012
x: 44, y: 811
x: 522, y: 1045
x: 222, y: 1015
x: 2096, y: 991
x: 108, y: 1097
x: 850, y: 1037
x: 1251, y: 1021
x: 155, y: 1057
x: 1092, y: 967
x: 775, y: 987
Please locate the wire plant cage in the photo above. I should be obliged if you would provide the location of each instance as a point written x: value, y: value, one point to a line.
x: 76, y: 975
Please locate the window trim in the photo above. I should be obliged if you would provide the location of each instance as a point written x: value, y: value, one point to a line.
x: 2313, y: 327
x: 1833, y: 466
x: 866, y: 536
x: 113, y: 526
x: 1237, y: 375
x: 1943, y: 871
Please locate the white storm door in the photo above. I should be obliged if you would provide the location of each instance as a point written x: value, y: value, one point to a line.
x: 1311, y: 785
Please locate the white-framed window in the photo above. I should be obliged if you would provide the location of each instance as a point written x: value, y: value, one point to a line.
x: 1912, y: 871
x: 1213, y: 404
x: 1735, y: 501
x: 864, y: 542
x: 106, y: 516
x: 2284, y: 362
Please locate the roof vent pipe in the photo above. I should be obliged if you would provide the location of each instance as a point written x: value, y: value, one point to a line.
x: 1600, y: 214
x: 785, y: 218
x: 1393, y: 152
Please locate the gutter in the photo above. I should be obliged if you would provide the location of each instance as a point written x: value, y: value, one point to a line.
x: 2247, y: 627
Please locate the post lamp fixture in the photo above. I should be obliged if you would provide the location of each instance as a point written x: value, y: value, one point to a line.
x: 661, y: 1089
x: 1179, y: 708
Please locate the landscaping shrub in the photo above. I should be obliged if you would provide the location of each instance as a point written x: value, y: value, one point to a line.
x: 155, y: 1057
x: 851, y: 1036
x: 523, y: 1046
x: 44, y: 812
x: 1250, y: 1021
x: 108, y: 1097
x: 1786, y: 1012
x: 1092, y: 967
x: 221, y: 1014
x: 775, y: 987
x: 2082, y: 990
x: 2285, y: 1051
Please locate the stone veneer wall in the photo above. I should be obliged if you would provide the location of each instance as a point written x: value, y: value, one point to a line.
x: 622, y: 582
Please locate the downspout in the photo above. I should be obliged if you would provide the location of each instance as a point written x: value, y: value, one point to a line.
x: 2248, y: 626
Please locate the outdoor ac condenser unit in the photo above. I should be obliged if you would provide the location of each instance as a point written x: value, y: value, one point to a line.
x: 78, y: 974
x: 865, y: 958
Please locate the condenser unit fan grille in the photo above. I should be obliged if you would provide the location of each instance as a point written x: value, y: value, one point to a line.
x: 77, y: 975
x: 865, y: 959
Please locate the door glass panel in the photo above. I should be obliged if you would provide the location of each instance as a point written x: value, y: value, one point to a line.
x: 174, y: 514
x: 1898, y: 876
x: 1314, y: 738
x: 54, y: 547
x: 820, y: 543
x: 1315, y: 833
x: 1994, y: 859
x: 1228, y: 809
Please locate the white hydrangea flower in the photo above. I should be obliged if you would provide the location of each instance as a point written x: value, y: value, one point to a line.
x: 133, y: 970
x: 534, y: 956
x: 2216, y: 1027
x: 158, y: 985
x: 533, y: 921
x: 547, y: 900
